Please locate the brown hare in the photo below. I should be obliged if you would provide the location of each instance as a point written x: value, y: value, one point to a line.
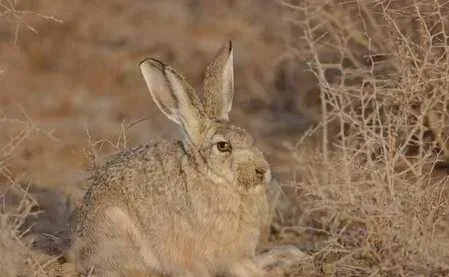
x: 192, y: 207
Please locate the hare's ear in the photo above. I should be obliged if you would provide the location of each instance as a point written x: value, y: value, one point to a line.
x: 218, y: 84
x: 174, y: 97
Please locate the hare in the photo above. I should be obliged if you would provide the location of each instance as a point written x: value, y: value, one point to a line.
x: 193, y: 207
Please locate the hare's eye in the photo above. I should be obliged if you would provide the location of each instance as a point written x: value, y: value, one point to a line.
x: 224, y: 146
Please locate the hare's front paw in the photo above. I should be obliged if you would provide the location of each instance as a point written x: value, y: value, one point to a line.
x: 194, y: 269
x: 280, y: 257
x: 246, y: 268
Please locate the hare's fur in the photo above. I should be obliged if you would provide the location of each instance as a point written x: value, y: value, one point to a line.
x: 193, y: 207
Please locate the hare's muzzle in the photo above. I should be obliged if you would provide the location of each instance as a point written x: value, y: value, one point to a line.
x: 250, y: 175
x: 261, y: 174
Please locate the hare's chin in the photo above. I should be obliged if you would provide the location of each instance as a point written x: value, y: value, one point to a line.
x: 252, y: 187
x: 257, y: 187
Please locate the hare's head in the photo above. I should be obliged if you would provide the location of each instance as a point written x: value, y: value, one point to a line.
x: 227, y: 151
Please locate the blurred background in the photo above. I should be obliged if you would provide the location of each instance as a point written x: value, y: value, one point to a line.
x: 69, y: 73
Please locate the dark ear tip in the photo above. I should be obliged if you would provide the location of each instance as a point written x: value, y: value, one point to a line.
x: 230, y: 45
x: 154, y: 62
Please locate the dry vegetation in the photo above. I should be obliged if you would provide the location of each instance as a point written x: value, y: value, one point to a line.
x: 349, y: 100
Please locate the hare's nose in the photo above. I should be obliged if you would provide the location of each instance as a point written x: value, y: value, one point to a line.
x: 260, y: 173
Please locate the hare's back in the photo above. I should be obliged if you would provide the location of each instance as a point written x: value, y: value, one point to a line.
x: 155, y: 160
x: 128, y: 172
x: 139, y: 172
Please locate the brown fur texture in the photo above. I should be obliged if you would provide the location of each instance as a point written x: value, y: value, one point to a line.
x: 193, y: 207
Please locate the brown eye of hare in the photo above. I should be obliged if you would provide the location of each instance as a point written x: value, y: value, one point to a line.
x: 224, y: 146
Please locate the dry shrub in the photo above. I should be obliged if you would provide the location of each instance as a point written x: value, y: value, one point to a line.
x: 13, y: 251
x: 374, y: 192
x: 17, y: 257
x: 30, y: 217
x: 16, y: 14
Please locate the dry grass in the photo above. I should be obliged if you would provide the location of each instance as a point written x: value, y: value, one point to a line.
x: 367, y: 187
x: 375, y: 189
x: 30, y: 217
